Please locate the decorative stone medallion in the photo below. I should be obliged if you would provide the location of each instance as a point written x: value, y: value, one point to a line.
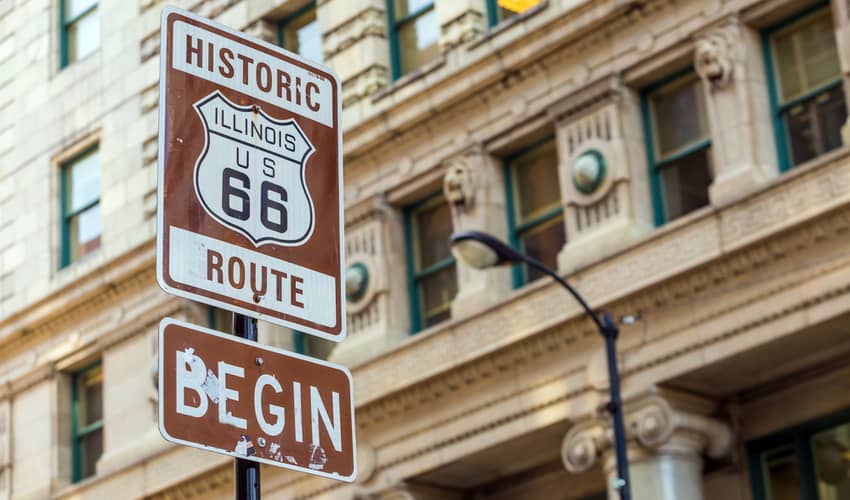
x: 588, y: 171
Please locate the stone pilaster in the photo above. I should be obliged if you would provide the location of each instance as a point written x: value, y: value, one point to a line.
x: 474, y: 189
x: 667, y: 432
x: 374, y: 247
x: 354, y: 33
x: 460, y: 21
x: 602, y: 120
x: 728, y: 58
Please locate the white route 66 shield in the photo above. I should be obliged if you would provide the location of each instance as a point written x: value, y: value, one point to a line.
x: 250, y: 175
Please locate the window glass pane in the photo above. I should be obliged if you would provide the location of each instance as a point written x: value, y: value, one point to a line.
x: 831, y: 452
x: 685, y: 183
x: 90, y: 394
x: 91, y: 449
x: 74, y: 8
x: 433, y: 227
x: 813, y: 126
x: 83, y: 36
x: 543, y: 242
x: 303, y: 36
x: 806, y: 56
x: 436, y: 292
x: 537, y: 184
x: 418, y: 41
x: 679, y: 117
x: 782, y: 476
x: 85, y: 230
x: 84, y: 182
x: 404, y: 8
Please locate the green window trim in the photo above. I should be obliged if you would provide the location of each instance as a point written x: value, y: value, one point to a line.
x: 77, y: 433
x: 413, y: 276
x: 393, y: 28
x: 796, y: 437
x: 67, y: 216
x: 294, y: 17
x: 64, y: 25
x: 656, y: 166
x: 515, y: 231
x: 780, y: 130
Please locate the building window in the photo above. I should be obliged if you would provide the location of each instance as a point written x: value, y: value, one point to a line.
x: 431, y: 267
x: 414, y: 33
x: 80, y: 29
x: 679, y: 147
x: 500, y: 10
x: 81, y: 219
x: 301, y: 33
x: 312, y: 346
x: 806, y: 93
x: 811, y: 461
x: 87, y: 420
x: 535, y: 211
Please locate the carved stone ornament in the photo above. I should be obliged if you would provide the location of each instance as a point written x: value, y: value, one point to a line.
x: 714, y: 59
x: 655, y: 424
x: 459, y: 183
x: 582, y: 447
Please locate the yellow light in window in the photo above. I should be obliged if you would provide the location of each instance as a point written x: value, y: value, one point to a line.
x: 518, y: 6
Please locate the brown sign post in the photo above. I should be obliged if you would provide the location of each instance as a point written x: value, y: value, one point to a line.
x: 250, y: 210
x: 225, y: 394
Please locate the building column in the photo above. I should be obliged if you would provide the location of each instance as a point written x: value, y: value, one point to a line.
x: 667, y: 434
x: 474, y: 189
x: 728, y: 59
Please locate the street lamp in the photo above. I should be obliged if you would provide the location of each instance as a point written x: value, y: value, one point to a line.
x: 481, y: 251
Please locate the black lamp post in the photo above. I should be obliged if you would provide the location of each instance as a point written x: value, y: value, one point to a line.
x: 481, y: 251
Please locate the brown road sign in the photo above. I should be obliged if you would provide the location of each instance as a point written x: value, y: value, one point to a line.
x: 250, y: 175
x: 224, y: 394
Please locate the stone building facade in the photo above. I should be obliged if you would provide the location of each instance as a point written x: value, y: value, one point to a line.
x: 681, y: 162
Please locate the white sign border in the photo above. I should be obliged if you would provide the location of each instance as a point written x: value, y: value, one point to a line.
x: 160, y: 222
x: 161, y: 400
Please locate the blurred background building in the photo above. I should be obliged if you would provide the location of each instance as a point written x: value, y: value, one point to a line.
x: 678, y: 160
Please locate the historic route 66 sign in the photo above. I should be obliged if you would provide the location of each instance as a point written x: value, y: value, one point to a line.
x: 250, y: 175
x: 243, y: 146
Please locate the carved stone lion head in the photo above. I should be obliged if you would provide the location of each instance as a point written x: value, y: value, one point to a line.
x: 713, y: 59
x: 459, y: 183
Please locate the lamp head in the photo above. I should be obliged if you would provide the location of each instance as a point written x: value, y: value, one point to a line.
x: 482, y: 250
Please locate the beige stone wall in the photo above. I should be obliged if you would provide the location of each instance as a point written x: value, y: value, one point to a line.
x: 514, y: 369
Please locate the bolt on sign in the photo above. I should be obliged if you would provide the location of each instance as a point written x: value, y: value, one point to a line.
x: 250, y: 174
x: 222, y: 393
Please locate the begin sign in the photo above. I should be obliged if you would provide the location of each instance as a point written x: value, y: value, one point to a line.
x: 225, y: 394
x: 249, y: 201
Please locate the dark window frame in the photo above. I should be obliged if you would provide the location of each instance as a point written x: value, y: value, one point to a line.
x: 64, y: 28
x: 66, y: 215
x: 777, y: 108
x: 78, y: 434
x: 414, y: 275
x: 516, y: 229
x: 655, y: 165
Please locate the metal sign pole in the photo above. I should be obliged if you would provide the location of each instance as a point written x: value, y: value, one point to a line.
x: 246, y: 472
